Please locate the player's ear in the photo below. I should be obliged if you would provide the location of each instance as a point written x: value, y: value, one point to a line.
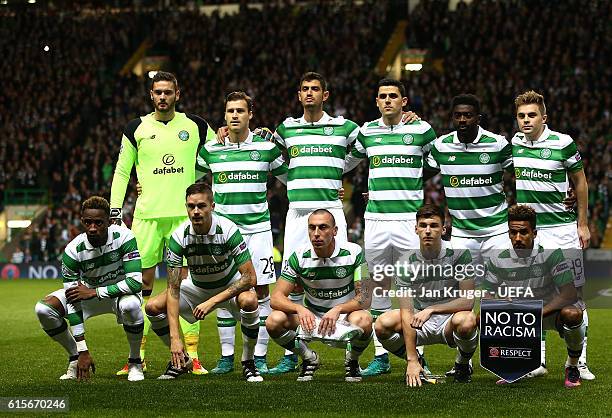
x: 335, y: 230
x: 325, y: 95
x: 178, y: 95
x: 404, y: 101
x: 250, y: 115
x: 544, y: 118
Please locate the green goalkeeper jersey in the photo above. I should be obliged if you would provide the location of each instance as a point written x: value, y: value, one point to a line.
x: 165, y: 157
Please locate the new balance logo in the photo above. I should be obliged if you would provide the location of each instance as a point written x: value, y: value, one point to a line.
x: 452, y: 158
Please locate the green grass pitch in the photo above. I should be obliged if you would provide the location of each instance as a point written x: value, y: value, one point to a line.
x: 30, y: 364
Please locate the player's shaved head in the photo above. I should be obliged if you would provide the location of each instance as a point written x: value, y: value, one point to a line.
x: 325, y: 212
x: 197, y: 188
x: 164, y: 76
x: 96, y: 202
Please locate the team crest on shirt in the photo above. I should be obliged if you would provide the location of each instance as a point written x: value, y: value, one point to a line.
x: 484, y: 158
x: 183, y: 135
x: 216, y: 250
x: 545, y: 153
x: 407, y: 139
x: 114, y: 257
x: 328, y: 130
x: 536, y: 271
x: 255, y: 155
x: 341, y: 272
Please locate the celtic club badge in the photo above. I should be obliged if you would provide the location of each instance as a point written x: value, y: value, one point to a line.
x: 255, y: 155
x: 183, y: 135
x: 545, y: 153
x: 328, y: 130
x: 484, y: 158
x: 407, y: 139
x: 341, y: 272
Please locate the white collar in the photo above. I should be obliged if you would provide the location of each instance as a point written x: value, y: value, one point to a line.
x: 335, y: 253
x: 477, y: 140
x: 325, y: 118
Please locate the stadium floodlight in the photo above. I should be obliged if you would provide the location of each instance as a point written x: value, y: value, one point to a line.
x: 31, y: 1
x: 3, y: 2
x: 152, y: 74
x: 21, y: 223
x: 413, y: 67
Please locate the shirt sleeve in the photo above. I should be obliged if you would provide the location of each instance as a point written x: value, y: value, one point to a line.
x: 290, y: 270
x: 278, y: 166
x: 278, y: 136
x: 431, y: 161
x: 492, y: 278
x: 237, y: 246
x: 127, y: 157
x: 132, y: 283
x: 353, y: 132
x: 506, y: 155
x: 572, y: 161
x: 560, y: 268
x: 358, y: 153
x: 358, y: 266
x: 430, y: 137
x: 175, y: 250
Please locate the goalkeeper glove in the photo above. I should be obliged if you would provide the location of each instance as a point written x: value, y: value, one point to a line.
x: 265, y: 133
x: 116, y: 216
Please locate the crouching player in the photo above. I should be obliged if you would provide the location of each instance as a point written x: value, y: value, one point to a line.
x: 102, y: 274
x: 330, y: 274
x: 541, y: 274
x: 435, y: 304
x: 221, y: 275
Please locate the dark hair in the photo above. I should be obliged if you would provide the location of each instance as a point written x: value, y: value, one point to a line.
x: 96, y: 202
x: 240, y: 95
x: 429, y: 211
x: 310, y: 76
x: 466, y: 99
x: 523, y: 213
x: 322, y: 211
x: 200, y: 187
x: 164, y: 76
x: 394, y: 83
x: 530, y: 97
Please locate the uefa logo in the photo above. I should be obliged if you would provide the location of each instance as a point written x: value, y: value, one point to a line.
x: 493, y: 351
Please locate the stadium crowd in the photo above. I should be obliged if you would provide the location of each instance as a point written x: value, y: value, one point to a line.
x: 64, y: 108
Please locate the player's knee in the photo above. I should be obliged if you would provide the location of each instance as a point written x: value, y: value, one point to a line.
x: 275, y: 321
x: 129, y: 306
x: 465, y: 323
x: 48, y: 307
x: 248, y: 301
x: 152, y: 308
x: 384, y: 325
x: 362, y: 319
x: 571, y: 316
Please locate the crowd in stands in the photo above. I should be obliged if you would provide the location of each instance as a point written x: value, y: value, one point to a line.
x: 64, y: 108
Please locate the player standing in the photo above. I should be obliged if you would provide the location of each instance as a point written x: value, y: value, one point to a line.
x: 543, y: 161
x: 240, y: 168
x: 329, y: 271
x: 221, y: 274
x: 316, y: 146
x: 395, y: 151
x: 163, y: 145
x: 102, y: 274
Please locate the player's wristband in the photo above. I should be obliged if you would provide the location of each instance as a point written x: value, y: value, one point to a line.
x: 116, y: 215
x: 81, y: 346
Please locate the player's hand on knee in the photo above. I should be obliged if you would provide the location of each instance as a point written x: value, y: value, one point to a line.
x: 410, y: 116
x: 413, y: 373
x: 84, y: 365
x: 176, y: 350
x: 203, y: 309
x: 116, y: 214
x: 307, y: 319
x: 222, y: 133
x: 420, y: 318
x: 265, y: 133
x: 80, y: 292
x: 327, y: 326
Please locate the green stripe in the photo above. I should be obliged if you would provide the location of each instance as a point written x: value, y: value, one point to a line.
x: 71, y: 263
x: 555, y: 218
x: 128, y: 246
x: 134, y: 285
x: 319, y: 172
x: 132, y: 266
x: 532, y: 196
x: 312, y: 195
x: 75, y: 318
x: 113, y: 290
x: 467, y: 158
x: 247, y: 218
x: 475, y: 224
x: 394, y: 206
x: 536, y: 153
x: 250, y: 332
x: 395, y: 183
x: 472, y: 203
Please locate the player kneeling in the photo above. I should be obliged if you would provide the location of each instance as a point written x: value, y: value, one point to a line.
x: 221, y: 275
x: 102, y: 274
x: 333, y: 309
x: 429, y: 314
x: 547, y: 276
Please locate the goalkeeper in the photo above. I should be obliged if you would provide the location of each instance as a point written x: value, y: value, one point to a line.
x: 329, y: 271
x: 163, y: 145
